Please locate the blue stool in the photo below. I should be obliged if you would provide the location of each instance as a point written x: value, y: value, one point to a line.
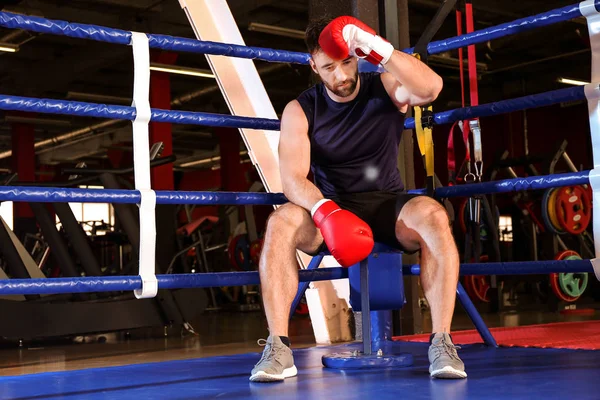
x: 376, y: 286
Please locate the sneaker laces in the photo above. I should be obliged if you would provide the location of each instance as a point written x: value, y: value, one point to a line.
x: 448, y: 348
x: 268, y: 352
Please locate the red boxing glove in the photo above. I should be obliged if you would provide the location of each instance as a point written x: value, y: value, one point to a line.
x: 346, y: 36
x: 348, y: 237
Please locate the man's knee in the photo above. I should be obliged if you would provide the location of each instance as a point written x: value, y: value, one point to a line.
x: 292, y: 224
x: 288, y: 217
x: 425, y: 212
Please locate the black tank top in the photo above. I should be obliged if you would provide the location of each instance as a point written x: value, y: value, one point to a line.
x: 354, y: 145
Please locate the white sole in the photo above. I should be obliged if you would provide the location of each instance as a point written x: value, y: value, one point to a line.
x: 261, y: 376
x: 447, y: 373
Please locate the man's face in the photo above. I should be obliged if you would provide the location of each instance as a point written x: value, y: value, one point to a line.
x: 340, y: 77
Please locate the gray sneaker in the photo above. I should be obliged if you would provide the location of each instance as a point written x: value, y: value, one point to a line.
x: 276, y: 363
x: 444, y: 360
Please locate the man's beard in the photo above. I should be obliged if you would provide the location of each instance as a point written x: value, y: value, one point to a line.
x: 344, y: 91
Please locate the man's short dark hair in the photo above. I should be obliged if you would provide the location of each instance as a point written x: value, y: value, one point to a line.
x: 313, y: 30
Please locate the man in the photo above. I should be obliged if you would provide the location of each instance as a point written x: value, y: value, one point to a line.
x: 347, y: 130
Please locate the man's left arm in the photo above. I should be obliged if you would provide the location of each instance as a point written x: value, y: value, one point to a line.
x: 410, y: 82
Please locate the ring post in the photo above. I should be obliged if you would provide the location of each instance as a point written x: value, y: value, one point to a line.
x: 592, y: 91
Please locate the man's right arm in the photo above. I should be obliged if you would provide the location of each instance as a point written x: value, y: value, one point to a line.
x: 348, y: 237
x: 294, y: 158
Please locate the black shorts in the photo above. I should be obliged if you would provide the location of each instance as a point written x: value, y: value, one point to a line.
x: 379, y: 210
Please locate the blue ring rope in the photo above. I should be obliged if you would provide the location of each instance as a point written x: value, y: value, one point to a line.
x: 515, y: 267
x: 574, y: 93
x: 511, y: 185
x: 175, y: 281
x: 51, y: 195
x: 63, y: 195
x: 82, y: 109
x: 165, y: 42
x: 220, y: 279
x: 28, y: 104
x: 509, y: 28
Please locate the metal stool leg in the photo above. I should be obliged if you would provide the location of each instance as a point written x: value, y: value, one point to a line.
x: 366, y: 359
x: 365, y: 306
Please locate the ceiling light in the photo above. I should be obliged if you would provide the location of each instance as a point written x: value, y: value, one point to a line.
x: 9, y: 48
x: 206, y: 160
x: 174, y: 69
x: 572, y: 81
x: 276, y: 30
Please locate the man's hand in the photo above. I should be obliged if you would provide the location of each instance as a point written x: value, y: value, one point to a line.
x: 347, y: 36
x: 348, y: 237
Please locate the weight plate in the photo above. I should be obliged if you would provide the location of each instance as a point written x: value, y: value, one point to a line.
x: 552, y: 212
x: 573, y: 283
x: 558, y: 291
x: 255, y: 250
x: 239, y: 253
x: 479, y: 287
x: 546, y: 211
x: 568, y: 286
x: 573, y: 209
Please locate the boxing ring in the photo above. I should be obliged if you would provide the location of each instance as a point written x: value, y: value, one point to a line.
x: 493, y: 372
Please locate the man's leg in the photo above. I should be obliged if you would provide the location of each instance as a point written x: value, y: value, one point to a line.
x: 423, y: 224
x: 290, y: 227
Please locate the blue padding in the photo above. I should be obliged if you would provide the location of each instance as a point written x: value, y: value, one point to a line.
x: 62, y: 195
x: 514, y: 185
x: 81, y: 109
x: 383, y: 248
x: 506, y: 106
x: 118, y: 36
x: 386, y: 287
x: 179, y: 281
x: 381, y: 326
x: 509, y: 373
x: 510, y: 28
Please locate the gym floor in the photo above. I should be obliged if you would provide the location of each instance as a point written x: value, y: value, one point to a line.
x: 218, y: 334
